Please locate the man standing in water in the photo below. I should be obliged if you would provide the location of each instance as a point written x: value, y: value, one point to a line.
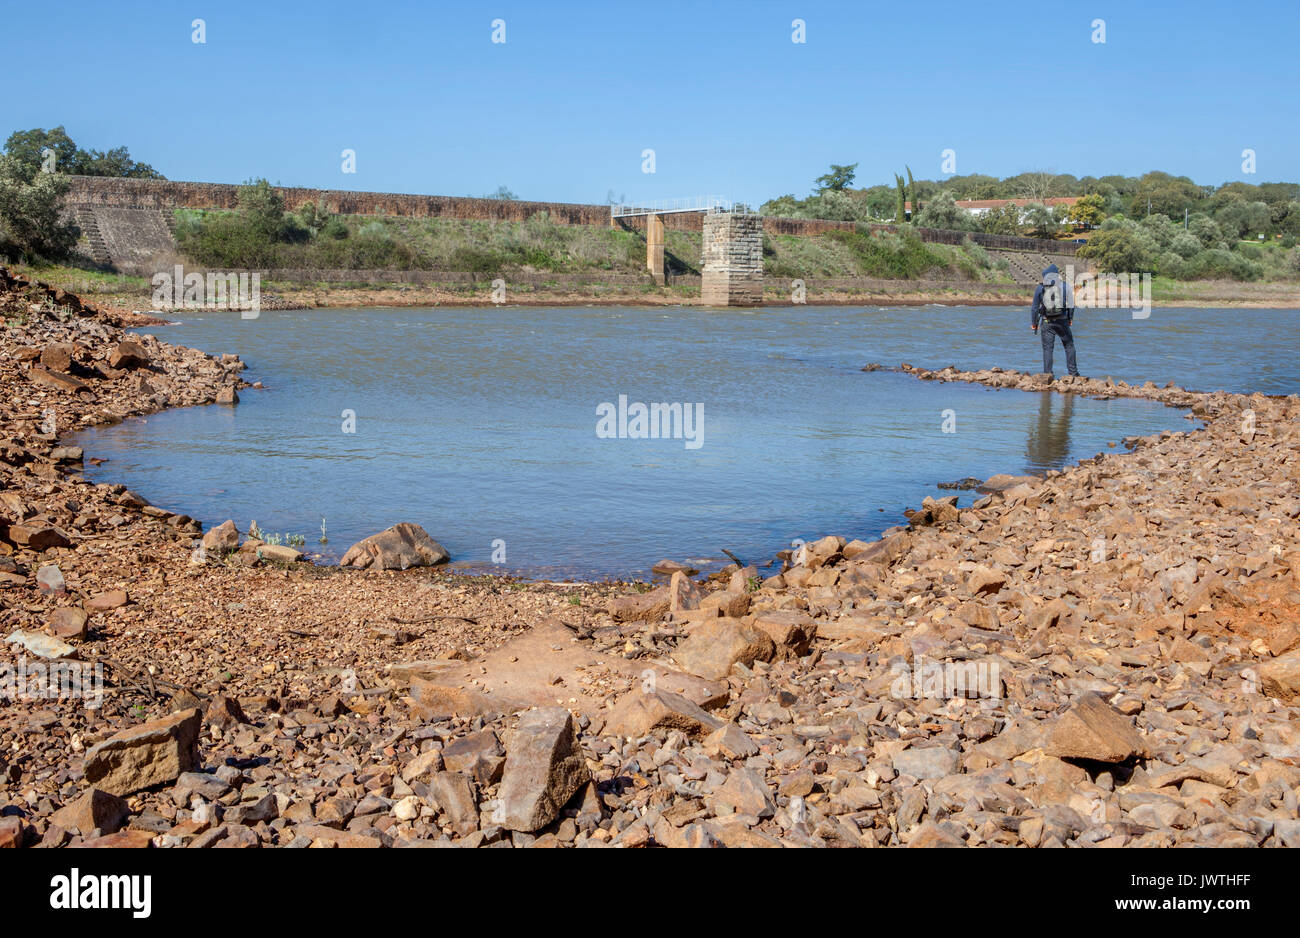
x: 1053, y: 307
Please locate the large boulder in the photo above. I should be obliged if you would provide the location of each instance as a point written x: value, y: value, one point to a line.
x: 640, y: 713
x: 145, y: 755
x: 1280, y: 677
x: 223, y: 538
x: 400, y: 547
x: 1096, y: 731
x: 717, y: 645
x: 128, y: 354
x: 640, y: 607
x: 58, y: 357
x: 94, y: 811
x: 544, y: 769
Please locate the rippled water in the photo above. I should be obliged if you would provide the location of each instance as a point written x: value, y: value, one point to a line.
x: 480, y: 424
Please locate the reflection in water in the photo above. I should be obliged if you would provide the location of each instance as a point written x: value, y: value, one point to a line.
x: 1049, y: 435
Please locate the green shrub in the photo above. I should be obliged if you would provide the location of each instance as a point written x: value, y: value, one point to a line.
x: 1185, y: 244
x: 899, y: 255
x: 1118, y: 249
x: 1171, y: 264
x: 477, y: 260
x: 1218, y: 264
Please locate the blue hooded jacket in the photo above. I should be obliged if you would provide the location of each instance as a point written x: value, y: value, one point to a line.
x: 1051, y: 274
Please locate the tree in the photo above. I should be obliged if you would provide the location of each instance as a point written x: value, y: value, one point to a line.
x: 1243, y: 219
x: 1004, y: 220
x: 900, y: 209
x: 1290, y: 220
x: 837, y: 206
x: 1036, y: 185
x: 262, y: 208
x: 116, y: 162
x: 785, y: 206
x: 913, y: 196
x: 1185, y: 245
x: 878, y: 201
x: 1040, y: 221
x: 503, y: 193
x: 1206, y: 230
x: 837, y: 180
x: 1089, y: 210
x: 1160, y: 228
x: 1164, y: 195
x: 30, y: 206
x: 1117, y: 250
x: 28, y: 146
x: 943, y: 212
x: 314, y: 216
x: 972, y: 186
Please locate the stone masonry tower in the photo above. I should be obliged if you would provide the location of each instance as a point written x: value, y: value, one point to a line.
x: 733, y: 259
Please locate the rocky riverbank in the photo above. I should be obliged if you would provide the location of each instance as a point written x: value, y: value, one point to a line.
x: 1105, y: 656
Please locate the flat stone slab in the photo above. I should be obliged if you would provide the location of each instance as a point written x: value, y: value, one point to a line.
x: 546, y: 667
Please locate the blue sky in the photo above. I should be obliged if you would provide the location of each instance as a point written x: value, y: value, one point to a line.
x: 564, y: 108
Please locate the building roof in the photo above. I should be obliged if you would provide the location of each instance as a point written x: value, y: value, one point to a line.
x: 1019, y: 203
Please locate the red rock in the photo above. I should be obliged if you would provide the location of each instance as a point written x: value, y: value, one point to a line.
x: 13, y: 832
x: 400, y: 547
x: 224, y: 712
x: 1094, y: 730
x: 639, y: 607
x: 128, y: 354
x: 38, y: 537
x: 1280, y: 677
x: 57, y: 357
x: 131, y: 839
x: 68, y: 622
x: 544, y: 769
x: 224, y: 537
x: 102, y: 602
x: 94, y: 811
x: 145, y: 755
x: 717, y: 645
x: 57, y: 380
x: 639, y: 714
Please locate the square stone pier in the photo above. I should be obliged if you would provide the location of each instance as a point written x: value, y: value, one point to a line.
x: 733, y: 259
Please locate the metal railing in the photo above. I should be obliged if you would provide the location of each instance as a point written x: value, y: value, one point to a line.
x: 709, y: 204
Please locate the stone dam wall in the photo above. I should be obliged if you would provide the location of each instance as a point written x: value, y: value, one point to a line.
x: 128, y: 221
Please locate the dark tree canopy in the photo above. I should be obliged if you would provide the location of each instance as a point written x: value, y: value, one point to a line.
x: 28, y: 148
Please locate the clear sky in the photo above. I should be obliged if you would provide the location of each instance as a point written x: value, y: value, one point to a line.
x: 563, y: 109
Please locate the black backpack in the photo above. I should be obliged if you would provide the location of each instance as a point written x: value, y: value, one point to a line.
x: 1053, y: 298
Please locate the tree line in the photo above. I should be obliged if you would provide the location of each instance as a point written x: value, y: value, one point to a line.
x: 1154, y: 222
x: 34, y: 168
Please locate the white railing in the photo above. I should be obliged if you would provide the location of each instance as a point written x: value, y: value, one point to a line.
x: 709, y: 204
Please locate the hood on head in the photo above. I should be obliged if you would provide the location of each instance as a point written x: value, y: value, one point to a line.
x: 1051, y: 269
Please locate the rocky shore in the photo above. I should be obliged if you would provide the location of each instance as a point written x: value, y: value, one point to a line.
x: 1108, y: 656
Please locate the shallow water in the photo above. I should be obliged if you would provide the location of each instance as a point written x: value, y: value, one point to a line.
x: 480, y: 424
